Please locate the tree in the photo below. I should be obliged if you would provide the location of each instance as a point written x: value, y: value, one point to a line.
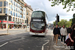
x: 68, y: 23
x: 67, y: 4
x: 73, y: 20
x: 62, y: 22
x: 54, y: 23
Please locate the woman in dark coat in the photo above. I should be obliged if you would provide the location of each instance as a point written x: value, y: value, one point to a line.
x: 72, y: 37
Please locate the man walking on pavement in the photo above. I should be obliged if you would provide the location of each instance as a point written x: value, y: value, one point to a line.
x: 63, y: 32
x: 56, y: 33
x: 69, y: 30
x: 59, y: 37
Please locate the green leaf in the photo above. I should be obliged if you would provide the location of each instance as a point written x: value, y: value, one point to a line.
x: 74, y: 5
x: 68, y: 10
x: 52, y: 2
x: 73, y: 0
x: 64, y: 7
x: 59, y: 2
x: 63, y: 3
x: 55, y: 0
x: 52, y: 5
x: 72, y: 9
x: 62, y: 0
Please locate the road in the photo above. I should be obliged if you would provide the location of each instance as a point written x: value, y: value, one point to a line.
x: 25, y: 41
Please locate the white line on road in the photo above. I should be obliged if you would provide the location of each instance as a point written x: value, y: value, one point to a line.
x: 45, y: 44
x: 17, y: 39
x: 3, y: 44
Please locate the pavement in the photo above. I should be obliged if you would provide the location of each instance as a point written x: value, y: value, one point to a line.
x: 13, y: 31
x: 60, y: 46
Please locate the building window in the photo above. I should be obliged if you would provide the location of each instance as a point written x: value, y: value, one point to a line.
x: 16, y: 14
x: 14, y: 2
x: 0, y: 3
x: 13, y: 13
x: 5, y: 3
x: 23, y: 16
x: 13, y: 18
x: 11, y: 6
x: 27, y: 13
x: 0, y: 10
x: 11, y: 1
x: 5, y: 10
x: 16, y: 9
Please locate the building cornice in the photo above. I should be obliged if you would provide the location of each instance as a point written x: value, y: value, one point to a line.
x: 28, y: 6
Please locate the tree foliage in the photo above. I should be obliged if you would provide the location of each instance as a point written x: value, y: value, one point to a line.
x: 67, y: 4
x: 73, y: 20
x: 54, y: 23
x: 64, y: 22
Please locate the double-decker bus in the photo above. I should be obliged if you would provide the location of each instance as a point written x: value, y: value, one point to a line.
x: 38, y: 23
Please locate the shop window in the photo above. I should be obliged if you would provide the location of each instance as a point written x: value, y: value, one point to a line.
x: 9, y: 18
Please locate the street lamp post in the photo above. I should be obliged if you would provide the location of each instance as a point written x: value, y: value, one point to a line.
x: 2, y: 23
x: 7, y: 24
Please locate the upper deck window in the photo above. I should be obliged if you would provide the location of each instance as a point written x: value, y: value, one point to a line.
x: 38, y: 14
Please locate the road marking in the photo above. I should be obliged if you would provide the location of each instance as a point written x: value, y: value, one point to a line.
x: 45, y: 44
x: 3, y: 44
x: 17, y: 39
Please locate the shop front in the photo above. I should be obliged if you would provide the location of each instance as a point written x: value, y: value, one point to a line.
x: 3, y: 25
x: 24, y: 25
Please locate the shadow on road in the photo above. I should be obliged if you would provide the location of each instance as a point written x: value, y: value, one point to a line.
x: 36, y: 36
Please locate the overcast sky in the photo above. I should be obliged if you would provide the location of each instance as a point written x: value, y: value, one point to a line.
x: 51, y: 12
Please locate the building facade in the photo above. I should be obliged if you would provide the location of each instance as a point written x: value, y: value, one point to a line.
x: 16, y: 13
x: 28, y: 13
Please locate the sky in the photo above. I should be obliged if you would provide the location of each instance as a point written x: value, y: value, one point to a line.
x: 51, y: 12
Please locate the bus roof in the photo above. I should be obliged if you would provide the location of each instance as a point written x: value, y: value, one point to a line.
x: 38, y: 10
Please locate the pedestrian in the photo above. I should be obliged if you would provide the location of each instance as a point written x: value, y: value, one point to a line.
x: 56, y: 33
x: 69, y: 30
x: 72, y: 37
x: 60, y: 34
x: 63, y: 32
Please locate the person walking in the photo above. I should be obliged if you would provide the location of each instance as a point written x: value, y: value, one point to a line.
x: 69, y: 30
x: 72, y: 37
x: 59, y: 37
x: 56, y: 33
x: 63, y: 32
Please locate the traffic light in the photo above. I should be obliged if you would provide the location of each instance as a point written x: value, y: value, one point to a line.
x: 57, y: 18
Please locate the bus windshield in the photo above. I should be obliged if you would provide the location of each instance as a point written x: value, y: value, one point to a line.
x: 38, y: 14
x: 37, y: 26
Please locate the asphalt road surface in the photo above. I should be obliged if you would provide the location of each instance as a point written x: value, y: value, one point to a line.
x: 25, y: 41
